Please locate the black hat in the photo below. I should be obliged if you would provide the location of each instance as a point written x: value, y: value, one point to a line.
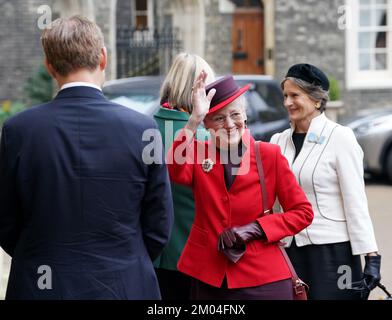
x: 310, y: 74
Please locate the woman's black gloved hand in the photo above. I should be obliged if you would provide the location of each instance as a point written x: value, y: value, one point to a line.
x: 371, y: 272
x: 371, y: 276
x: 232, y: 241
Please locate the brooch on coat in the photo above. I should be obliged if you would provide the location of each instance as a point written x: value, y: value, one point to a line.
x: 313, y: 138
x: 207, y: 165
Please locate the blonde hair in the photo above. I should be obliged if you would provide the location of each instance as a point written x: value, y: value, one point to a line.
x: 177, y: 86
x: 72, y: 43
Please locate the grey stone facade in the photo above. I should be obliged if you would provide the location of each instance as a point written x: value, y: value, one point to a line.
x: 217, y: 42
x: 124, y: 18
x: 20, y: 46
x: 21, y: 50
x: 104, y: 19
x: 218, y: 47
x: 307, y: 31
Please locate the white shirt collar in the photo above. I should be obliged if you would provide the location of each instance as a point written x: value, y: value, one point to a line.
x: 79, y: 84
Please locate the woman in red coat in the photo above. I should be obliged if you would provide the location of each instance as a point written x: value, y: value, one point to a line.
x: 232, y: 251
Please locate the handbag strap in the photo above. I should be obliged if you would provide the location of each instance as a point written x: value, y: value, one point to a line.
x: 261, y: 176
x: 268, y: 211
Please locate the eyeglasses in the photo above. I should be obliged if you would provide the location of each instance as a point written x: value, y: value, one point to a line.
x: 221, y: 119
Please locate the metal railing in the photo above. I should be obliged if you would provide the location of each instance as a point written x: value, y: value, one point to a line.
x: 146, y: 52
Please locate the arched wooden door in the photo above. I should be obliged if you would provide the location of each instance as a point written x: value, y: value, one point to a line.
x: 248, y: 38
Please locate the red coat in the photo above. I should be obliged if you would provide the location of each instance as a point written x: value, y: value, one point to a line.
x: 218, y: 209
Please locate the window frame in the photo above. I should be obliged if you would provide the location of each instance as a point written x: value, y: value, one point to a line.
x: 149, y: 13
x: 366, y: 79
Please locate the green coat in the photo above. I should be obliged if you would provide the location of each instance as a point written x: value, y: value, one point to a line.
x: 183, y: 201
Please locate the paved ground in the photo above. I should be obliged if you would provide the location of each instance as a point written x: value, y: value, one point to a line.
x: 379, y: 194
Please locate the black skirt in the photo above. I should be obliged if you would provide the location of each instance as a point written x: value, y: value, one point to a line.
x: 278, y: 290
x: 173, y: 284
x: 328, y: 269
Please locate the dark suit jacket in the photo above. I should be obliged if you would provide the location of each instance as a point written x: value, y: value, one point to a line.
x: 77, y: 198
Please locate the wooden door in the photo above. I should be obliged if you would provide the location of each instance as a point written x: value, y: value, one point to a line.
x: 248, y: 41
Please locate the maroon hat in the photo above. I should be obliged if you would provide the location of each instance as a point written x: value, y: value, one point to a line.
x: 227, y: 90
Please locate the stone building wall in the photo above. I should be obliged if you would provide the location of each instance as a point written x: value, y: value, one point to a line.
x: 124, y: 18
x: 105, y: 18
x: 307, y: 31
x: 20, y: 46
x: 217, y: 40
x: 21, y: 50
x: 218, y: 48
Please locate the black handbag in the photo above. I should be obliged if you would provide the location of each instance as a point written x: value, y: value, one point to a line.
x: 300, y: 288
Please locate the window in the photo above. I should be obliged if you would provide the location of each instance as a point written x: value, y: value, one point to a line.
x: 143, y: 14
x: 372, y: 35
x: 369, y: 56
x: 143, y: 21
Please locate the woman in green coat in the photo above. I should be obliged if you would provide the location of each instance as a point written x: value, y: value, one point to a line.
x: 174, y: 113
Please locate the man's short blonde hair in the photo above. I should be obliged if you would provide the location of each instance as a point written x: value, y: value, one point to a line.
x: 72, y: 43
x: 177, y: 86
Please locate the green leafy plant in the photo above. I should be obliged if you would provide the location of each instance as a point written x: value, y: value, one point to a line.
x: 8, y: 109
x: 39, y: 87
x: 334, y: 89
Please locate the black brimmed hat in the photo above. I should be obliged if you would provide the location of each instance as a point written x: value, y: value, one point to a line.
x: 309, y: 73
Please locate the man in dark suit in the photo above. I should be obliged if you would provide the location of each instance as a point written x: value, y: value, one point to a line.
x: 81, y: 214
